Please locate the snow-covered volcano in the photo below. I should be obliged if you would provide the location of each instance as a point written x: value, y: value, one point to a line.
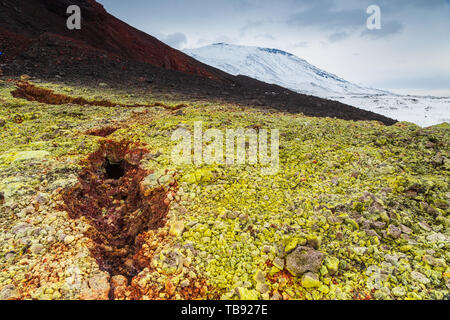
x: 276, y: 67
x: 289, y: 71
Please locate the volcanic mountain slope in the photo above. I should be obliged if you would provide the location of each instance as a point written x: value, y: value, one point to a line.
x: 35, y: 41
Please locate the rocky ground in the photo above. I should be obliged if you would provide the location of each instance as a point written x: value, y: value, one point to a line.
x: 92, y: 207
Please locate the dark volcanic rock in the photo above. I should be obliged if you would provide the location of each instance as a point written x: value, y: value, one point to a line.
x: 32, y: 18
x: 304, y: 259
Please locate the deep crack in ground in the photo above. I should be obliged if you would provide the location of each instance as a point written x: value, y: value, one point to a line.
x: 30, y: 92
x: 111, y: 197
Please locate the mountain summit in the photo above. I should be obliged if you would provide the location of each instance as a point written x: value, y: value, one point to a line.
x: 277, y: 67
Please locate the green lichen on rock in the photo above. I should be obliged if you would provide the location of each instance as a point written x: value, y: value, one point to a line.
x: 356, y: 209
x: 310, y: 280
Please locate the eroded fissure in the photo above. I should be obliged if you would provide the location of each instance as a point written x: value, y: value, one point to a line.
x: 30, y: 92
x: 111, y: 196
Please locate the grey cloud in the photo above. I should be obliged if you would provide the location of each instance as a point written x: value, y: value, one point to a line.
x: 324, y: 15
x: 424, y: 81
x: 176, y: 40
x: 254, y: 25
x: 422, y: 4
x: 267, y: 36
x: 338, y: 36
x: 387, y: 29
x: 303, y: 44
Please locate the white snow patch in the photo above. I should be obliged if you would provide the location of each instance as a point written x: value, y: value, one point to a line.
x: 286, y: 70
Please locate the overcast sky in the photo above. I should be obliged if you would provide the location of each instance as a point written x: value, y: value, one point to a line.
x: 410, y: 54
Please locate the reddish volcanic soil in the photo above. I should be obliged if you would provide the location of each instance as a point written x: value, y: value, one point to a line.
x: 100, y: 30
x: 34, y: 40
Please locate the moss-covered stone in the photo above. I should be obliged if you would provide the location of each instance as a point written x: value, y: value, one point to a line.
x: 343, y: 188
x: 310, y: 280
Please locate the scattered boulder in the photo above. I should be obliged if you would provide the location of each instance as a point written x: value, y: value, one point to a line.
x: 276, y: 296
x: 360, y: 251
x: 243, y: 217
x: 259, y: 277
x: 310, y: 280
x: 332, y: 264
x: 262, y: 288
x: 118, y: 285
x: 36, y: 248
x: 405, y: 229
x: 28, y: 210
x: 398, y: 292
x: 447, y: 282
x: 9, y: 292
x: 420, y: 277
x: 304, y: 259
x: 290, y: 244
x: 279, y: 263
x: 436, y: 237
x: 35, y: 155
x: 314, y: 242
x: 69, y: 239
x: 185, y: 283
x: 392, y: 259
x: 119, y: 281
x: 10, y: 256
x: 246, y: 294
x: 176, y: 228
x: 376, y: 207
x: 41, y: 198
x: 334, y: 220
x: 378, y: 225
x: 435, y: 262
x: 394, y: 232
x: 424, y: 226
x: 97, y: 288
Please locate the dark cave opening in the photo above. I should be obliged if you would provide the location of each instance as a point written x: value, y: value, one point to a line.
x: 115, y: 171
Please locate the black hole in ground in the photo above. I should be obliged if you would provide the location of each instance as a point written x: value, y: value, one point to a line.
x: 115, y: 171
